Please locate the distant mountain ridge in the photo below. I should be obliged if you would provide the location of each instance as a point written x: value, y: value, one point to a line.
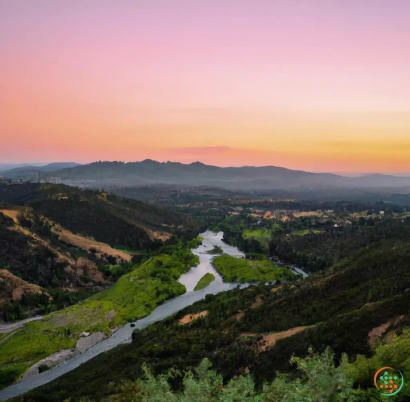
x: 197, y: 173
x: 23, y: 172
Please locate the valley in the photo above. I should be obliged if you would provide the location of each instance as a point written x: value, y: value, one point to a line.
x: 236, y: 294
x: 204, y: 201
x: 105, y: 302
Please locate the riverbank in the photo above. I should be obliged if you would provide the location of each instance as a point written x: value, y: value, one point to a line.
x: 134, y: 296
x: 123, y: 335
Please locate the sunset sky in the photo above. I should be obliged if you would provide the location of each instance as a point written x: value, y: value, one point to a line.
x: 319, y: 85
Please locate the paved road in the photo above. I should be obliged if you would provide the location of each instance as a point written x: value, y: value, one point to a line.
x: 6, y: 328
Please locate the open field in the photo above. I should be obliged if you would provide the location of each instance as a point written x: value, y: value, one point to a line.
x: 241, y: 270
x: 262, y: 235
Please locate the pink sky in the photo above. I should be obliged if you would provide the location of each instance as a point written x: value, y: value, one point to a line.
x: 321, y: 85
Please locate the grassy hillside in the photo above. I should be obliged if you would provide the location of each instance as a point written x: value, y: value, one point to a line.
x: 132, y: 297
x: 240, y: 270
x: 358, y: 304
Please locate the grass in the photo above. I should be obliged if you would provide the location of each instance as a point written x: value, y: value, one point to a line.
x: 215, y: 250
x: 261, y: 235
x: 11, y: 374
x: 126, y: 249
x: 241, y: 270
x: 133, y: 296
x: 305, y: 232
x: 204, y: 281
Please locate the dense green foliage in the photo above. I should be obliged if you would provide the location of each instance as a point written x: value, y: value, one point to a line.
x: 215, y: 250
x: 315, y: 242
x: 204, y: 281
x: 195, y: 243
x: 316, y: 251
x: 240, y: 270
x: 320, y: 381
x: 262, y: 235
x: 234, y: 228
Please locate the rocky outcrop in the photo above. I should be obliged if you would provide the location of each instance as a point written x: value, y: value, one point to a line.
x: 88, y: 342
x: 12, y: 287
x: 51, y: 361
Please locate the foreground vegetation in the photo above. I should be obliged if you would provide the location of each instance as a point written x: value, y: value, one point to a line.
x: 320, y: 381
x: 243, y: 271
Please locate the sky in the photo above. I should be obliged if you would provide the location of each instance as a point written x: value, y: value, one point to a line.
x: 318, y: 85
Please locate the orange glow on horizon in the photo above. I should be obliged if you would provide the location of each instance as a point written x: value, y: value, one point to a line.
x: 325, y: 87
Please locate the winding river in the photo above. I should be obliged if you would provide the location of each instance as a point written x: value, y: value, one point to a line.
x: 124, y: 335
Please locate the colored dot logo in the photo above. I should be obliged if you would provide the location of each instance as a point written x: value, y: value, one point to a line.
x: 388, y: 381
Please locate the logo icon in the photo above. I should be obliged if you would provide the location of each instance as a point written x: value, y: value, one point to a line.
x: 388, y: 381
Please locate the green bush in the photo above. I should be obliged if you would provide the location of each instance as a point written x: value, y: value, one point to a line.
x: 204, y: 281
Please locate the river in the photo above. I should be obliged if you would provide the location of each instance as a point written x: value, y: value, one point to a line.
x: 124, y: 335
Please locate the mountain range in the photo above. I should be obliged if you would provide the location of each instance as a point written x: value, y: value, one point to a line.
x: 22, y: 172
x: 199, y: 174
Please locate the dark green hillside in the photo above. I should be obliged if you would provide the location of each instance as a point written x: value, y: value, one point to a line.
x: 107, y: 218
x: 35, y: 279
x: 320, y: 250
x: 26, y: 258
x: 340, y: 307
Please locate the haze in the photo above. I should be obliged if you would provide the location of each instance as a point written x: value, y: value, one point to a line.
x: 318, y: 85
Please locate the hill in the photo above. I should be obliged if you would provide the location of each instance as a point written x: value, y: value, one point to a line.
x: 106, y: 217
x: 30, y: 171
x: 59, y: 244
x: 39, y: 272
x: 119, y: 174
